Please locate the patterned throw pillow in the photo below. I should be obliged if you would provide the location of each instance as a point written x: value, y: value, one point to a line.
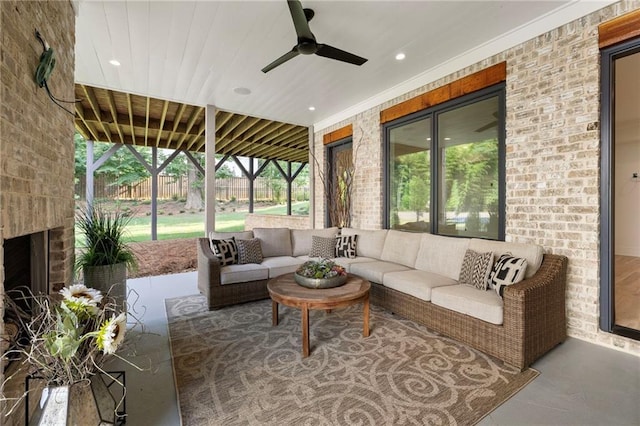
x: 249, y: 251
x: 225, y: 250
x: 476, y: 268
x: 507, y: 270
x: 346, y: 246
x: 323, y: 247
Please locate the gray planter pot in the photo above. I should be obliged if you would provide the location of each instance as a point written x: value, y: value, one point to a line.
x: 86, y: 403
x: 109, y: 279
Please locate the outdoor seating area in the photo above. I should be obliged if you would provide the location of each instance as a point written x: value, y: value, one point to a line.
x: 203, y: 225
x: 418, y: 276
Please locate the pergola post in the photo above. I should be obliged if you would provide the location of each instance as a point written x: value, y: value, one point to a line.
x: 210, y: 170
x: 312, y: 181
x: 251, y: 184
x: 289, y: 186
x: 93, y: 166
x: 154, y: 193
x: 88, y: 190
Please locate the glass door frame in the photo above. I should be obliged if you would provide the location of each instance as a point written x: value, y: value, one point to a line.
x: 608, y: 57
x: 330, y: 153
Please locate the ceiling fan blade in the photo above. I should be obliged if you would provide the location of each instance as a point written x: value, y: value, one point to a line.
x: 300, y: 20
x: 487, y: 126
x: 281, y: 60
x: 339, y: 55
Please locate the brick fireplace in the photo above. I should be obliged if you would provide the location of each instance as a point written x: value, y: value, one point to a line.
x: 36, y: 148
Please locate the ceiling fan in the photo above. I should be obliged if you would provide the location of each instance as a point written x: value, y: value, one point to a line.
x: 307, y: 44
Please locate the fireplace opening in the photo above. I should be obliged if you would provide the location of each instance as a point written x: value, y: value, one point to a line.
x: 26, y: 266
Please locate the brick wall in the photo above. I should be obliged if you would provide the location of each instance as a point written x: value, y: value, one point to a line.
x: 36, y: 136
x: 36, y: 139
x: 552, y: 162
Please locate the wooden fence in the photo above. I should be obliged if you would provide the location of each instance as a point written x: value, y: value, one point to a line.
x: 177, y: 187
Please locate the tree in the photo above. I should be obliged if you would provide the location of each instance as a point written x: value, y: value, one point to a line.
x: 275, y: 180
x: 413, y: 180
x: 471, y: 179
x: 416, y: 196
x: 195, y: 185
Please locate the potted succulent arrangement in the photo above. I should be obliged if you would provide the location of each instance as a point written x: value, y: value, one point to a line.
x: 67, y: 339
x: 322, y: 273
x: 105, y: 257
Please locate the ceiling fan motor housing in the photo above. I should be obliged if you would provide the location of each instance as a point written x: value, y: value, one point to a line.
x: 307, y: 47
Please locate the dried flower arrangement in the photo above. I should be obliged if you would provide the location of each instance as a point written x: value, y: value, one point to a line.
x: 68, y: 337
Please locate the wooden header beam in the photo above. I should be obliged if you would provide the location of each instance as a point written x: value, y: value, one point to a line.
x: 336, y: 135
x: 620, y: 29
x: 471, y: 83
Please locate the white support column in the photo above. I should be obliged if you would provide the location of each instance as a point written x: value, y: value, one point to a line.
x: 154, y: 193
x: 88, y: 190
x: 312, y: 181
x: 210, y: 170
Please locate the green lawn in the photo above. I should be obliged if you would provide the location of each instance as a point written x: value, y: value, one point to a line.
x: 189, y: 225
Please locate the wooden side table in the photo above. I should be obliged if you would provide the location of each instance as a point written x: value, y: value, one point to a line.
x: 284, y: 290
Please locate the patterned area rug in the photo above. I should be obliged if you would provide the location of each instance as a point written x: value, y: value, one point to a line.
x: 233, y: 368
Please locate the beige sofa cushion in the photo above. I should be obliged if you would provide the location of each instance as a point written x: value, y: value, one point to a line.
x: 441, y: 255
x: 274, y: 241
x: 301, y: 239
x: 375, y: 271
x: 280, y: 265
x: 532, y: 252
x: 401, y: 247
x: 346, y: 262
x: 232, y: 274
x: 481, y: 304
x: 416, y: 283
x: 370, y: 243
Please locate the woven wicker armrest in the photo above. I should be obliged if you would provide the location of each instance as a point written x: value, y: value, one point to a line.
x: 208, y: 268
x: 534, y: 309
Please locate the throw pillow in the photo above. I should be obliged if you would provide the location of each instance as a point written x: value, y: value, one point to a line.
x: 476, y: 268
x: 323, y: 247
x: 507, y: 270
x: 225, y: 250
x: 346, y: 246
x: 249, y: 251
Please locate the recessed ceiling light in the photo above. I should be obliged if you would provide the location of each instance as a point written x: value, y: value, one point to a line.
x: 115, y: 62
x: 447, y: 139
x: 428, y: 139
x: 312, y: 108
x: 242, y: 91
x: 400, y: 56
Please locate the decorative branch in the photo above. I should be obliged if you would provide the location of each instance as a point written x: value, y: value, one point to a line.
x: 338, y: 189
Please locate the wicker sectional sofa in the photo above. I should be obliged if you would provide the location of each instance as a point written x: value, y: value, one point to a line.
x: 416, y: 276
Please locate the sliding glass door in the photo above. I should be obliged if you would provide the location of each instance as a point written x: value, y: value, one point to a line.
x: 445, y: 168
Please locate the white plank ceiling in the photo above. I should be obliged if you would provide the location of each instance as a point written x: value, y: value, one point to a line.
x: 197, y: 52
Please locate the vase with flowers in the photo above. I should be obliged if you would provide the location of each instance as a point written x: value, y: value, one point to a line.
x: 321, y: 273
x: 66, y: 341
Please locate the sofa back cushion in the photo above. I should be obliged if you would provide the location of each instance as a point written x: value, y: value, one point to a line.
x: 244, y: 235
x: 441, y: 255
x: 301, y: 239
x: 532, y: 252
x: 274, y: 241
x: 370, y: 243
x: 401, y: 247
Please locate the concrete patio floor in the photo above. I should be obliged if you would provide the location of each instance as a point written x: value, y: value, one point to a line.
x: 580, y: 383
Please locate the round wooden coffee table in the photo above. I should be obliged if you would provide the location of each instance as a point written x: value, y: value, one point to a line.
x: 284, y: 290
